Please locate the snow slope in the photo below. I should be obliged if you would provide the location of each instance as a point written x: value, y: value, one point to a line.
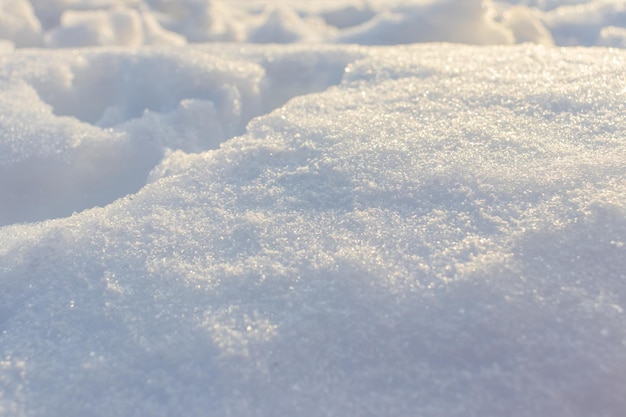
x: 317, y: 229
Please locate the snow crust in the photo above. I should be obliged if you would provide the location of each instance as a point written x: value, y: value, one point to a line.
x: 447, y: 223
x: 192, y: 223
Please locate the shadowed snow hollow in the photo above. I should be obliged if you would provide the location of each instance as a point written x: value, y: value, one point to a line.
x: 105, y: 118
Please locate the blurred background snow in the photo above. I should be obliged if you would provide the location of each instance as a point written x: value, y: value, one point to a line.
x: 75, y: 23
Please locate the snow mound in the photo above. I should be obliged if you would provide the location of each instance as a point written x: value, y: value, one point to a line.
x: 467, y: 21
x: 582, y: 24
x: 119, y: 26
x: 441, y: 234
x: 18, y: 23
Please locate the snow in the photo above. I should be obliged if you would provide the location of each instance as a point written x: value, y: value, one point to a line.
x: 79, y: 23
x: 197, y: 222
x: 581, y: 24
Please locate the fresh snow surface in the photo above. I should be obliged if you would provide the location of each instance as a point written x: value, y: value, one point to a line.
x: 194, y: 222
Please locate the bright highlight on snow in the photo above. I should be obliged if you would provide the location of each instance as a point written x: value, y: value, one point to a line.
x: 355, y: 208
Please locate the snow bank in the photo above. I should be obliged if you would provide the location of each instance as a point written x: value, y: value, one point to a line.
x: 70, y: 23
x: 443, y: 233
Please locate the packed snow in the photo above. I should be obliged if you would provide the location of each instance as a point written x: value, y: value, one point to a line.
x: 333, y: 208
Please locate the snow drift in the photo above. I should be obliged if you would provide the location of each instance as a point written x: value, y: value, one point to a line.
x: 319, y: 229
x: 427, y: 230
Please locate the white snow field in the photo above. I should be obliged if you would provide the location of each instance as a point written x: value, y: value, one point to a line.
x: 196, y: 220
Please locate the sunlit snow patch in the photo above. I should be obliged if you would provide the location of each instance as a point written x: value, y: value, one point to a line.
x: 443, y: 234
